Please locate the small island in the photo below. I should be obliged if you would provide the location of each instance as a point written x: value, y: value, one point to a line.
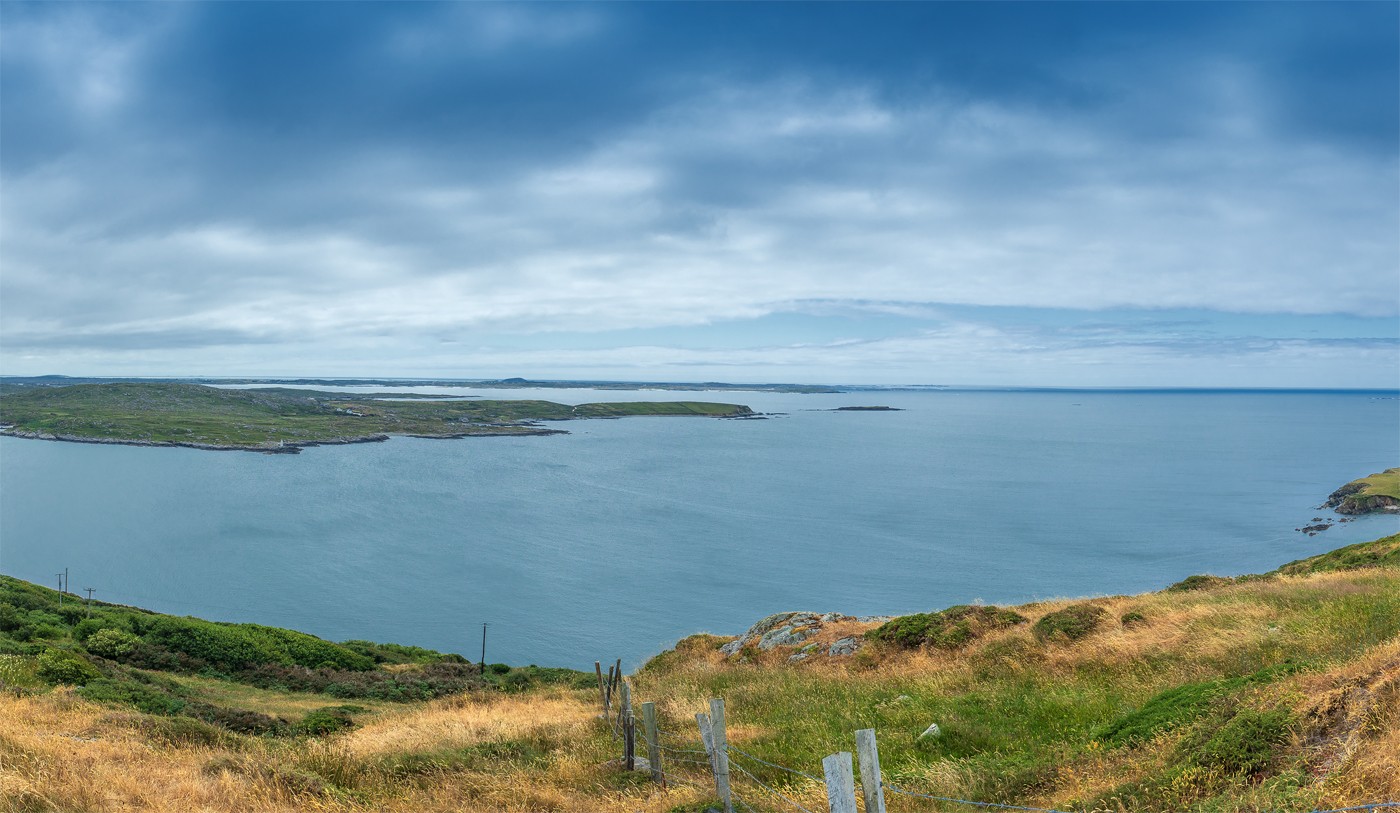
x: 1368, y: 495
x: 867, y: 409
x: 284, y: 421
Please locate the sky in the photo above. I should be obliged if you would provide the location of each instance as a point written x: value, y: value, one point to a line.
x: 1014, y: 194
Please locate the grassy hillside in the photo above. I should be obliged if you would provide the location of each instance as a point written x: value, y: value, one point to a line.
x: 1273, y: 692
x: 283, y: 419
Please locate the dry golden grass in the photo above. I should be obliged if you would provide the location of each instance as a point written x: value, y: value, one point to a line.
x: 61, y: 753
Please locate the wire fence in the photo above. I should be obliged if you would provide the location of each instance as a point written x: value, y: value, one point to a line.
x: 715, y: 766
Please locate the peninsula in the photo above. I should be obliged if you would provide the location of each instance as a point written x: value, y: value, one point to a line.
x: 1374, y: 494
x: 280, y: 420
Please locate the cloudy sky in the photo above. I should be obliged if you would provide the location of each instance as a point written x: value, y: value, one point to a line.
x: 1183, y: 194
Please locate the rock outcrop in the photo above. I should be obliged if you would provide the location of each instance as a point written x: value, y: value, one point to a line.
x: 798, y: 631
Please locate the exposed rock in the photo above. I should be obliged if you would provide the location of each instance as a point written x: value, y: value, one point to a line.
x: 801, y: 656
x: 790, y: 630
x: 931, y: 732
x: 845, y: 646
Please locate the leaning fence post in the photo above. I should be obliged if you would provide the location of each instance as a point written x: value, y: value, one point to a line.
x: 721, y: 751
x: 653, y: 742
x: 872, y: 785
x: 602, y: 694
x: 607, y: 703
x: 706, y: 737
x: 629, y: 733
x: 840, y: 783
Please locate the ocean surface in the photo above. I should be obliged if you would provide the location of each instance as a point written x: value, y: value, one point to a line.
x: 618, y: 539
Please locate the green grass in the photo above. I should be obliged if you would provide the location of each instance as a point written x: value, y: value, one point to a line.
x: 1378, y: 553
x: 279, y: 418
x: 1019, y: 711
x: 246, y: 678
x: 1385, y: 484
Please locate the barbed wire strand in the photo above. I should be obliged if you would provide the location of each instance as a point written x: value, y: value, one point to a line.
x: 775, y: 765
x: 759, y: 782
x: 899, y: 790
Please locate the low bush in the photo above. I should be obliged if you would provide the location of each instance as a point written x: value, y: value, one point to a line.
x: 1199, y: 582
x: 1070, y: 624
x: 1244, y: 745
x: 947, y: 629
x: 324, y: 721
x: 57, y: 666
x: 111, y: 644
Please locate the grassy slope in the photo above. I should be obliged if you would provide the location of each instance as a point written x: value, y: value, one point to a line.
x: 1383, y: 484
x: 267, y: 418
x: 1279, y: 692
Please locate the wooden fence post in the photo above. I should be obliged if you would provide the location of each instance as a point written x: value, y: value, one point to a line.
x: 602, y: 693
x: 703, y: 720
x: 629, y: 732
x: 840, y: 783
x: 721, y: 751
x: 607, y: 702
x: 653, y: 742
x: 872, y: 784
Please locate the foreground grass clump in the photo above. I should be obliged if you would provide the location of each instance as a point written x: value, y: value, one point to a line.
x: 945, y: 629
x: 1070, y: 624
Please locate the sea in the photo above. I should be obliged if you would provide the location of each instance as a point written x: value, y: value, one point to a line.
x: 618, y: 539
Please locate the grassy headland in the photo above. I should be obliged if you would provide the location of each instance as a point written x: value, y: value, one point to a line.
x: 1378, y: 492
x: 284, y: 420
x: 1272, y: 692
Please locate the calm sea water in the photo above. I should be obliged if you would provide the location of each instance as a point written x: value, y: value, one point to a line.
x: 626, y: 535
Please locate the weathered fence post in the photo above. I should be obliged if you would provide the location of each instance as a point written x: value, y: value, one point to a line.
x: 602, y: 693
x: 653, y: 742
x: 721, y: 752
x: 872, y: 784
x: 607, y: 703
x: 629, y: 732
x: 703, y: 720
x: 840, y: 783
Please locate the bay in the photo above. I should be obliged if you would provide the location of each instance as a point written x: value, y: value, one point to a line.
x: 623, y: 536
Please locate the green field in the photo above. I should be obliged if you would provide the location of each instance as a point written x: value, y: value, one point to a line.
x: 280, y: 419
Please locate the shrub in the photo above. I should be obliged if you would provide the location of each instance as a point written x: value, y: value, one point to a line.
x: 11, y: 617
x: 222, y: 644
x: 1244, y: 745
x: 948, y: 629
x: 112, y: 644
x: 143, y: 698
x: 325, y: 721
x: 1199, y: 582
x: 1072, y: 623
x: 1132, y: 617
x: 57, y: 666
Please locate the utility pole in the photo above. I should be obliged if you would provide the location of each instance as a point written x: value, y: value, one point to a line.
x: 90, y: 591
x: 483, y: 649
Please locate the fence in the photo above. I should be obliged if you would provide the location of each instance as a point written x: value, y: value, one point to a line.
x: 720, y: 758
